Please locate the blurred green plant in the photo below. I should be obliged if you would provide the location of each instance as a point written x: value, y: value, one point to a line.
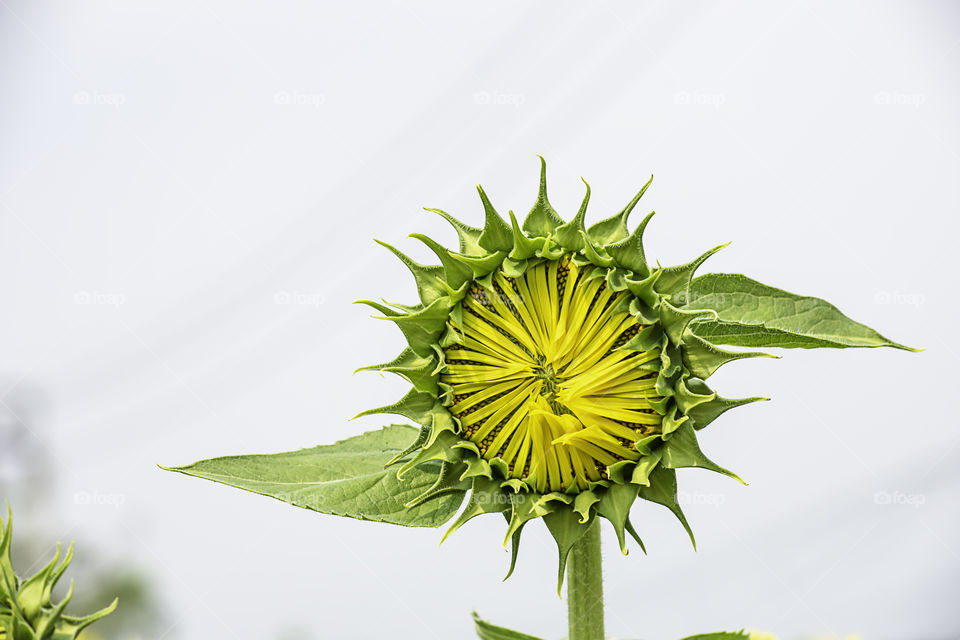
x: 27, y: 609
x: 28, y: 477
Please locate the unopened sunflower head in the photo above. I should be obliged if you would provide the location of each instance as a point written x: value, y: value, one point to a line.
x: 555, y: 373
x: 27, y: 609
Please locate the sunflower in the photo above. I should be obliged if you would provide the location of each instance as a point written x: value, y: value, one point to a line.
x: 540, y: 380
x: 554, y: 370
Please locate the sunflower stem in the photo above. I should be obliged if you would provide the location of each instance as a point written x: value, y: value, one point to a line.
x: 585, y: 587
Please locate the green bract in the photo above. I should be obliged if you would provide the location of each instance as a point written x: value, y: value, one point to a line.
x: 556, y: 373
x: 27, y: 610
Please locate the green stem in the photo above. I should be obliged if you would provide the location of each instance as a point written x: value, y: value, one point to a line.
x: 585, y: 587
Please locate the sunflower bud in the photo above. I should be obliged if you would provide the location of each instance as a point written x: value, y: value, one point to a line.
x: 558, y: 374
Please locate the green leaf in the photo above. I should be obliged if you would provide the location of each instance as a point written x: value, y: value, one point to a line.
x: 751, y: 314
x: 345, y: 479
x: 487, y: 631
x: 721, y: 635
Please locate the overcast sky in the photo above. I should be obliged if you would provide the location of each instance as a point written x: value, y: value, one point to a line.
x: 188, y: 192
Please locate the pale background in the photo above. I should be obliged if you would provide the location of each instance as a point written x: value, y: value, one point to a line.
x: 188, y: 192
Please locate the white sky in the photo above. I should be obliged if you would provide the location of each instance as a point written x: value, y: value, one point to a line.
x: 168, y: 168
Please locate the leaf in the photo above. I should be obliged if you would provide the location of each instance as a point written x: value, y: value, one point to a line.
x: 752, y: 314
x: 487, y: 631
x: 721, y: 635
x: 344, y: 479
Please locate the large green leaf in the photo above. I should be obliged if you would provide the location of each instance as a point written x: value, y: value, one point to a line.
x: 751, y: 314
x: 345, y: 479
x: 487, y: 631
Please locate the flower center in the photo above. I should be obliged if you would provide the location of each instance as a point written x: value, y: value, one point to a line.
x: 539, y: 379
x: 549, y: 386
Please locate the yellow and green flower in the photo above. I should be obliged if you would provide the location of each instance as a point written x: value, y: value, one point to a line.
x: 558, y: 373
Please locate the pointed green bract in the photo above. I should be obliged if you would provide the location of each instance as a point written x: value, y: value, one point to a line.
x: 703, y: 359
x: 469, y: 236
x: 570, y: 235
x: 614, y: 228
x: 566, y: 528
x: 675, y: 281
x: 431, y: 282
x: 629, y: 252
x: 418, y: 370
x: 615, y: 506
x: 496, y: 234
x: 543, y: 219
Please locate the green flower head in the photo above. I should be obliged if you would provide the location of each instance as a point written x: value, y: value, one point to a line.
x: 558, y: 373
